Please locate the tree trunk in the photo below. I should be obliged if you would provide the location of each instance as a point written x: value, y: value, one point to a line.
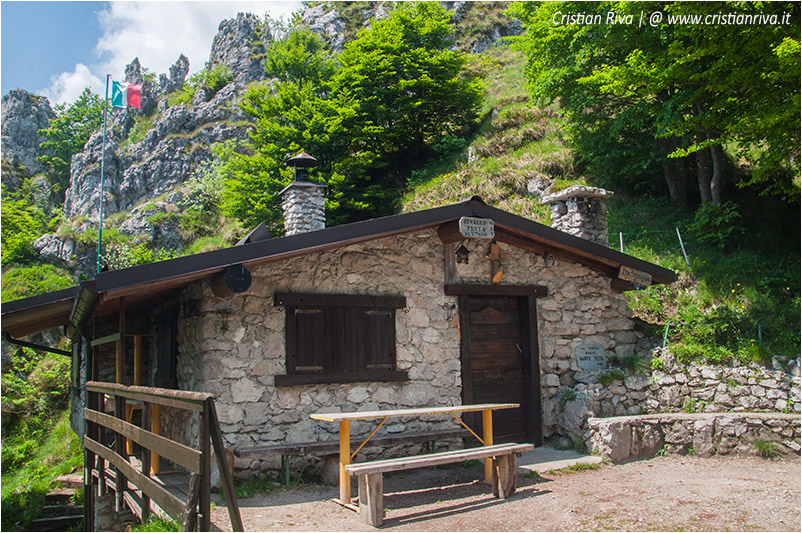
x: 703, y: 167
x: 675, y: 178
x: 718, y: 173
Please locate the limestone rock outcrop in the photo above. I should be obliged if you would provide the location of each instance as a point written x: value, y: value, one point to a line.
x: 23, y: 115
x: 144, y: 164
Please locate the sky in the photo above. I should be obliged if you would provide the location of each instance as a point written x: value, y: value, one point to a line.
x: 57, y: 49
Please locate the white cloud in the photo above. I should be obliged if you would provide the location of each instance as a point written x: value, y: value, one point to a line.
x: 68, y: 86
x: 157, y: 33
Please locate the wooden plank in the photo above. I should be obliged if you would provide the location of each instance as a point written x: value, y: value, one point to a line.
x: 434, y: 459
x: 368, y: 415
x: 192, y: 401
x: 174, y: 451
x: 505, y: 474
x: 204, y: 444
x: 287, y: 380
x: 171, y: 505
x: 225, y: 472
x: 458, y: 289
x: 108, y: 339
x: 191, y: 508
x: 371, y: 499
x: 146, y: 457
x: 340, y: 300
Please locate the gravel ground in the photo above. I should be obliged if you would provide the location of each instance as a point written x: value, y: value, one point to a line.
x: 674, y: 493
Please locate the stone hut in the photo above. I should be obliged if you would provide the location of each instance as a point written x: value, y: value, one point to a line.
x: 458, y: 304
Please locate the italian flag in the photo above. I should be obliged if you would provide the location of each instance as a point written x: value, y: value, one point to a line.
x: 124, y: 93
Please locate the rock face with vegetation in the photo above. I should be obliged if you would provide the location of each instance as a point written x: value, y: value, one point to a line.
x: 23, y: 115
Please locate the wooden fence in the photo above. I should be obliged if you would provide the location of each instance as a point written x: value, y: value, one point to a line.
x: 110, y: 461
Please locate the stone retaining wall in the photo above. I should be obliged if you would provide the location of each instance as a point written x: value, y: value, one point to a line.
x: 627, y: 438
x: 676, y: 387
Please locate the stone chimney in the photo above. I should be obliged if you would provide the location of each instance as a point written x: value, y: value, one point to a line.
x: 580, y: 211
x: 304, y: 202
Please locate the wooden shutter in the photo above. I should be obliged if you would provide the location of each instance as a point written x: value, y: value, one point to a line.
x: 378, y: 339
x: 310, y: 333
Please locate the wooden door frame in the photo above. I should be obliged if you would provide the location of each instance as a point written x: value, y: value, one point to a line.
x: 527, y: 311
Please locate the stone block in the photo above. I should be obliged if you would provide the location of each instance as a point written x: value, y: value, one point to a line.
x: 703, y: 432
x: 550, y: 380
x: 245, y: 390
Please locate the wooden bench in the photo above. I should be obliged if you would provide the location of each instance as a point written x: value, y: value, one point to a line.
x: 371, y: 480
x: 321, y: 448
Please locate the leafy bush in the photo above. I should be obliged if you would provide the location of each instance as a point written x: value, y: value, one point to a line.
x: 22, y: 223
x: 718, y: 225
x: 210, y: 80
x: 142, y: 125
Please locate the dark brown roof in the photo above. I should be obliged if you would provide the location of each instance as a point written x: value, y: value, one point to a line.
x: 38, y: 313
x: 154, y: 281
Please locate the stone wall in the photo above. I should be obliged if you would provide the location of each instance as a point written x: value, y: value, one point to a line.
x: 714, y: 389
x: 676, y: 387
x: 233, y: 347
x: 627, y: 438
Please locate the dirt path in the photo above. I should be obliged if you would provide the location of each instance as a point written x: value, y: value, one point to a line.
x: 663, y: 494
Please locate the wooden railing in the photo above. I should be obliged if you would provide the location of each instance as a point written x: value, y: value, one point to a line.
x: 133, y: 473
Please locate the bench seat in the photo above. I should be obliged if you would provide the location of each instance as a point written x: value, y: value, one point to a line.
x: 371, y: 480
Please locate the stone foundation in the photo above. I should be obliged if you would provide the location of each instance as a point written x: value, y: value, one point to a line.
x: 627, y: 438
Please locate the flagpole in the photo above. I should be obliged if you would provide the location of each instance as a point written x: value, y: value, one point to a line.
x: 102, y: 172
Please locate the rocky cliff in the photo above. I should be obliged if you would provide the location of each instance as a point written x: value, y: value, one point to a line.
x: 23, y: 115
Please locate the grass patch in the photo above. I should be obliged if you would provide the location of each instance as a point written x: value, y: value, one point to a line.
x: 610, y: 376
x: 257, y: 484
x: 766, y: 449
x: 155, y: 523
x: 573, y: 469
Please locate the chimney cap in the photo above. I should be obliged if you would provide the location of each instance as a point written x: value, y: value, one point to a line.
x: 302, y: 160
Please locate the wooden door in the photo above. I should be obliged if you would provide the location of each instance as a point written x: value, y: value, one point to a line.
x: 499, y: 360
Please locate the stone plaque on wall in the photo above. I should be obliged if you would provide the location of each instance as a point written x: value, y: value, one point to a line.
x: 590, y: 356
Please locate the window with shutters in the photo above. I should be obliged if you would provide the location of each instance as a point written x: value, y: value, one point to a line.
x: 332, y: 338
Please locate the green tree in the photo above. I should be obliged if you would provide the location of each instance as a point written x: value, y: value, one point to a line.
x: 292, y: 112
x: 300, y: 57
x: 680, y: 92
x: 406, y: 88
x: 68, y: 132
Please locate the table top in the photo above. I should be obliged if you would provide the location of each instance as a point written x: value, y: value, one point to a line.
x: 370, y: 415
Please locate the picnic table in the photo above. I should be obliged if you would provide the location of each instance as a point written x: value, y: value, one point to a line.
x: 345, y: 419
